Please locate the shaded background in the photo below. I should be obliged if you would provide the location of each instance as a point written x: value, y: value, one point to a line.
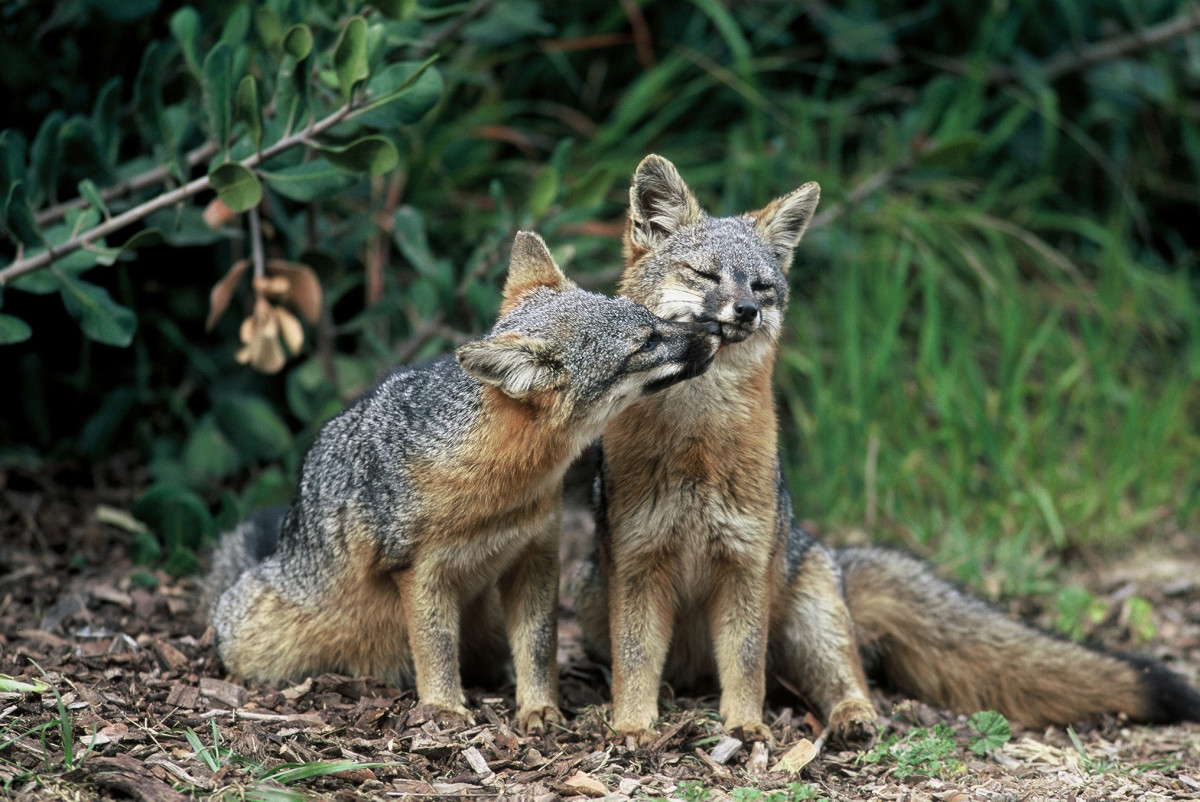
x: 992, y: 347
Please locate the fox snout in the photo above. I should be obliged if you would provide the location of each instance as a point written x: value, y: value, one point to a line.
x: 693, y: 346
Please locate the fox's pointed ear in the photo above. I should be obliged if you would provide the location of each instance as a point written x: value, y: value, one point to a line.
x: 530, y: 267
x: 517, y: 364
x: 782, y: 221
x: 659, y: 205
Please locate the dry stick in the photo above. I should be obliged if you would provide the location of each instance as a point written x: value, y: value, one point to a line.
x: 1074, y: 60
x: 164, y: 201
x: 155, y: 175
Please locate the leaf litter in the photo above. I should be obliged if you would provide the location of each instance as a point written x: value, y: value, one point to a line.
x: 109, y: 688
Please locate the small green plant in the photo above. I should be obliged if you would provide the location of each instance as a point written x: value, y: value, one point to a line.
x: 1092, y: 765
x: 1078, y: 612
x: 992, y: 731
x: 921, y: 751
x: 692, y: 791
x: 794, y: 792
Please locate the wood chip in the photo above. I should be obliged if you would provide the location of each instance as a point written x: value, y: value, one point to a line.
x: 127, y: 777
x: 726, y: 748
x: 476, y: 760
x: 797, y: 757
x: 184, y: 695
x: 757, y: 762
x: 225, y: 693
x: 174, y: 658
x: 586, y: 784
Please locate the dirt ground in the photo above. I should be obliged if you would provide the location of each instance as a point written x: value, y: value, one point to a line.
x: 135, y: 704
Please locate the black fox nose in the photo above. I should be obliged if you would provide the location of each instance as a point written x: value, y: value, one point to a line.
x: 745, y: 311
x: 712, y: 327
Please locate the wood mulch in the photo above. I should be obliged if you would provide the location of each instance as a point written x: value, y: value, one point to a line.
x: 152, y: 715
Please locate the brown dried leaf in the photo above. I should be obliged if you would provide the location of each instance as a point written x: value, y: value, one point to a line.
x: 217, y: 215
x: 222, y: 292
x: 304, y: 294
x: 290, y: 328
x: 797, y: 757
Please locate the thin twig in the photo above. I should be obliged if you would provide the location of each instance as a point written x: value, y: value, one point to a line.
x: 155, y: 175
x: 1074, y: 60
x: 164, y: 201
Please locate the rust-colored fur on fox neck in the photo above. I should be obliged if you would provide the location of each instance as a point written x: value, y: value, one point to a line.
x: 487, y: 486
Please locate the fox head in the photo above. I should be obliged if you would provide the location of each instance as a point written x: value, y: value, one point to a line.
x: 579, y: 357
x: 685, y: 265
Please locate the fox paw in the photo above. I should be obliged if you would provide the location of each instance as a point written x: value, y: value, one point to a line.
x: 751, y: 731
x: 453, y: 716
x: 853, y: 722
x: 641, y: 738
x: 537, y: 719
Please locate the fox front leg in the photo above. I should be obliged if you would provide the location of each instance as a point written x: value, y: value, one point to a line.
x: 529, y: 592
x: 432, y: 612
x: 738, y: 618
x: 640, y: 614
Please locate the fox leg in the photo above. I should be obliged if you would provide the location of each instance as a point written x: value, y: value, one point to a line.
x: 813, y: 647
x: 432, y: 609
x: 641, y: 606
x: 738, y: 619
x: 529, y: 591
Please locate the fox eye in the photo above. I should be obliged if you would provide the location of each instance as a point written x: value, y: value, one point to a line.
x: 761, y: 286
x: 707, y: 275
x: 651, y: 342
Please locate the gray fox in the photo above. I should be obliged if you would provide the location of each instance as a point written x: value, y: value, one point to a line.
x: 426, y: 523
x: 700, y: 569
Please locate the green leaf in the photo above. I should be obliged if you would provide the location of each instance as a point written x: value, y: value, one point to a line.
x: 507, y: 22
x: 147, y: 94
x: 350, y: 56
x: 44, y: 158
x: 401, y: 94
x: 91, y: 193
x: 101, y: 318
x: 375, y: 155
x: 208, y: 453
x: 591, y: 189
x: 18, y: 217
x: 249, y: 111
x: 309, y: 394
x: 106, y: 124
x: 308, y: 181
x: 298, y: 41
x: 12, y: 685
x: 237, y: 26
x: 177, y: 515
x: 218, y: 86
x: 269, y: 27
x: 253, y: 425
x: 12, y: 158
x: 993, y: 731
x: 145, y: 237
x: 543, y: 193
x: 398, y: 10
x: 13, y: 330
x: 237, y: 186
x: 185, y: 27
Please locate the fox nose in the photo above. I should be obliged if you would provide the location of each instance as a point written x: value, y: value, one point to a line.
x: 745, y: 311
x: 712, y: 327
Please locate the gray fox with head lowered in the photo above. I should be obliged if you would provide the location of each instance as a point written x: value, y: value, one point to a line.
x: 426, y: 522
x: 701, y: 571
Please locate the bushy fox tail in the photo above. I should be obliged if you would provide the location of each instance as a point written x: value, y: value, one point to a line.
x: 929, y: 640
x: 241, y: 549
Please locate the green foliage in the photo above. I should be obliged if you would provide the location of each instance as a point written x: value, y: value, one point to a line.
x: 992, y: 731
x: 920, y: 751
x: 793, y: 792
x: 993, y: 321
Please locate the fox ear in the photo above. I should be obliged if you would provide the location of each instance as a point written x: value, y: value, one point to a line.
x: 517, y: 364
x: 782, y: 221
x: 659, y: 205
x: 530, y: 267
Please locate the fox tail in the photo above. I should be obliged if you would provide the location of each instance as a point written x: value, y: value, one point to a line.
x: 251, y: 542
x: 927, y: 639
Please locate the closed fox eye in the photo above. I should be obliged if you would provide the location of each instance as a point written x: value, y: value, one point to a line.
x: 704, y: 274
